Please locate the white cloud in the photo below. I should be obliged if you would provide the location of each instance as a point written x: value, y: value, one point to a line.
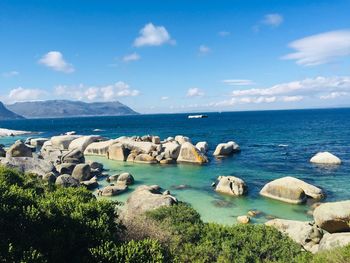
x: 194, y: 92
x: 96, y: 93
x: 321, y: 48
x: 164, y: 98
x: 238, y: 82
x: 273, y: 20
x: 151, y: 35
x: 55, y: 60
x: 203, y: 49
x: 22, y: 94
x: 10, y: 74
x: 333, y: 95
x: 292, y: 98
x: 131, y: 57
x: 224, y: 33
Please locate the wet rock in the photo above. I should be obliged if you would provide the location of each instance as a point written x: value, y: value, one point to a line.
x: 254, y: 213
x: 167, y: 161
x: 325, y: 158
x: 291, y: 190
x: 231, y: 185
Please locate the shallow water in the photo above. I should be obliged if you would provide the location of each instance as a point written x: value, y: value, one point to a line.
x: 273, y: 143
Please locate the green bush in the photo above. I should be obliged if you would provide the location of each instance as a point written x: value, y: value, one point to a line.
x: 41, y: 222
x: 337, y: 255
x: 132, y: 252
x: 195, y: 241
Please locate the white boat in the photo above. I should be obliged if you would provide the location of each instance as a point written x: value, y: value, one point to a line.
x: 197, y: 116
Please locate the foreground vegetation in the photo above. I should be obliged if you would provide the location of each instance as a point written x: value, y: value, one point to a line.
x: 42, y: 223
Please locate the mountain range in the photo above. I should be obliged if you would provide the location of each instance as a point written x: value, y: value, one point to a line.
x: 62, y: 108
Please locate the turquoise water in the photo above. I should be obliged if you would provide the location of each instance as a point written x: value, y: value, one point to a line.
x: 274, y: 144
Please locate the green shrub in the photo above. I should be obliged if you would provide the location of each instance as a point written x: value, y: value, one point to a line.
x: 337, y: 255
x: 132, y: 252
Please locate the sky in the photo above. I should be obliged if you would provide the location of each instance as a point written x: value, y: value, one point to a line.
x: 177, y: 56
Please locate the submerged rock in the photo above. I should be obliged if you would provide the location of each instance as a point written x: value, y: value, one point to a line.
x: 325, y: 158
x: 291, y: 190
x: 243, y: 219
x: 231, y: 185
x: 333, y: 217
x: 225, y: 149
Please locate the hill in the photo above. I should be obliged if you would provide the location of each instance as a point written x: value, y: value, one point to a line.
x: 6, y: 114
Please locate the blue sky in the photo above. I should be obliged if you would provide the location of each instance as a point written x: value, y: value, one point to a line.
x: 177, y: 56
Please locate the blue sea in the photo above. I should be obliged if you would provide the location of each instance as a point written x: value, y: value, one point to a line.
x: 273, y: 143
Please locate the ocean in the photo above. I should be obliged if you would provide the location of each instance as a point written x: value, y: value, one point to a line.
x: 274, y: 144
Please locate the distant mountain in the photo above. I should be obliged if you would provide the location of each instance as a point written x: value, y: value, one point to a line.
x: 66, y: 108
x: 6, y: 114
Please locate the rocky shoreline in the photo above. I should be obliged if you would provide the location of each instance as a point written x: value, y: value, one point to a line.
x: 61, y: 160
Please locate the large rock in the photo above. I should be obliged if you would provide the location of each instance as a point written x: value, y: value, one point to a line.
x: 66, y: 180
x: 224, y: 149
x: 202, y: 146
x: 190, y: 154
x: 136, y: 146
x: 331, y: 241
x: 182, y: 139
x: 231, y: 185
x: 29, y: 165
x: 145, y: 198
x: 171, y: 150
x: 118, y: 152
x: 19, y: 149
x: 99, y: 148
x: 301, y: 232
x: 2, y: 151
x: 90, y: 184
x: 62, y: 142
x: 325, y: 158
x: 125, y: 178
x: 65, y: 168
x: 145, y: 158
x: 82, y: 172
x: 112, y: 190
x: 38, y: 142
x: 333, y: 217
x: 291, y: 190
x: 50, y: 153
x: 73, y: 156
x: 83, y: 142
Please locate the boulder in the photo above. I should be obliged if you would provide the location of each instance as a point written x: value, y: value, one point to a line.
x: 83, y: 142
x: 291, y: 190
x: 112, y: 190
x: 62, y: 142
x: 19, y: 149
x: 38, y: 142
x: 243, y: 219
x: 118, y: 152
x: 131, y: 157
x: 171, y: 150
x: 333, y: 217
x: 303, y: 233
x: 325, y: 158
x: 29, y: 165
x: 48, y: 152
x: 331, y: 241
x: 73, y: 156
x: 138, y: 146
x: 145, y: 198
x: 167, y: 161
x: 99, y: 148
x: 145, y: 158
x: 182, y: 139
x: 155, y: 140
x: 225, y: 149
x: 90, y: 184
x: 49, y: 177
x: 82, y: 172
x: 231, y: 185
x: 65, y: 168
x: 202, y: 146
x: 190, y: 154
x: 66, y: 180
x: 126, y: 178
